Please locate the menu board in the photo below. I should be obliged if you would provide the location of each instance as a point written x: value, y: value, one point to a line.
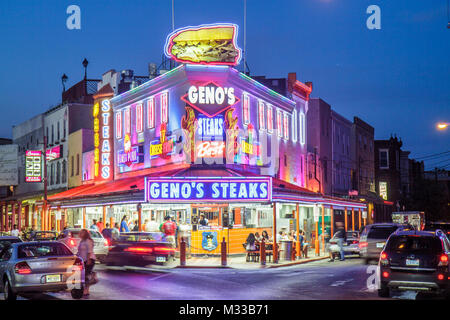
x: 33, y: 166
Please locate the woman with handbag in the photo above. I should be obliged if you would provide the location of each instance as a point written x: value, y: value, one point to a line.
x: 86, y: 252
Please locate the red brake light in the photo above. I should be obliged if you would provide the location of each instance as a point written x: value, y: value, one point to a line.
x: 72, y: 242
x: 78, y: 264
x: 444, y: 258
x: 106, y: 242
x: 443, y: 261
x: 142, y: 250
x: 362, y: 244
x: 385, y: 274
x: 383, y: 256
x: 164, y: 250
x: 440, y: 277
x: 22, y: 268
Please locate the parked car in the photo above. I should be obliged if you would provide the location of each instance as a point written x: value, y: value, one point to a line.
x: 71, y: 238
x: 111, y: 235
x: 43, y: 236
x: 350, y: 247
x: 44, y: 266
x: 373, y: 238
x: 140, y: 249
x: 7, y: 240
x: 417, y: 261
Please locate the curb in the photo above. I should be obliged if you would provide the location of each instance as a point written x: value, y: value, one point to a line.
x: 296, y: 263
x: 204, y: 267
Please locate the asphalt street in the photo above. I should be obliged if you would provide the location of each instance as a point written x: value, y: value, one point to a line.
x: 339, y: 280
x: 320, y: 280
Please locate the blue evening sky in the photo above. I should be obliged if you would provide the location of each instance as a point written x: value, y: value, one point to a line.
x: 397, y: 78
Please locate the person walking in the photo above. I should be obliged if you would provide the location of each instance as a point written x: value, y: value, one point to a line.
x: 135, y: 226
x: 124, y: 225
x: 15, y: 232
x: 86, y: 252
x: 169, y: 228
x: 100, y: 225
x: 340, y: 236
x: 94, y: 225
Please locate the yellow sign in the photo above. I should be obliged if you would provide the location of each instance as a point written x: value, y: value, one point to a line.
x: 155, y: 149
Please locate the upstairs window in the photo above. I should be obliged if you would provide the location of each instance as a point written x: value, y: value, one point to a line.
x: 127, y: 121
x: 246, y: 108
x: 119, y: 130
x: 279, y: 123
x: 164, y: 107
x: 269, y: 118
x: 384, y: 158
x: 294, y: 126
x: 139, y: 116
x: 302, y: 128
x: 261, y: 115
x: 151, y: 113
x: 286, y: 126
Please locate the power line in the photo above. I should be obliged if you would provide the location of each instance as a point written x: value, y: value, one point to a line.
x: 432, y: 155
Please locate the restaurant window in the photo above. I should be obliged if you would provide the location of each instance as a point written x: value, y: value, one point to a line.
x: 164, y: 107
x: 127, y: 120
x: 119, y: 132
x: 246, y: 108
x: 78, y: 164
x: 151, y: 113
x: 294, y: 126
x: 286, y: 126
x: 261, y: 115
x: 269, y: 118
x: 139, y: 116
x: 384, y: 158
x: 279, y: 123
x: 302, y: 128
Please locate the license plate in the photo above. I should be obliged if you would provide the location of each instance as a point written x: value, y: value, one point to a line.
x: 160, y: 259
x: 380, y: 244
x: 410, y: 262
x: 53, y: 278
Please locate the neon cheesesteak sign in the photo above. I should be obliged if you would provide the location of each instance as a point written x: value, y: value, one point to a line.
x: 208, y: 189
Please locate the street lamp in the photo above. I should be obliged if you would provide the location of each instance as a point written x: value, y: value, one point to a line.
x: 442, y: 125
x: 64, y: 80
x: 85, y: 64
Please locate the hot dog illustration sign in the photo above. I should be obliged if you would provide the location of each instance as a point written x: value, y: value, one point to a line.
x: 208, y: 44
x: 160, y: 190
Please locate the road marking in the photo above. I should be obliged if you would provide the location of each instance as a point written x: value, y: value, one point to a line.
x: 340, y: 283
x: 161, y: 276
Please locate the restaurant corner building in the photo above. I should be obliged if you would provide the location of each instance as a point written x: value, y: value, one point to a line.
x: 203, y: 140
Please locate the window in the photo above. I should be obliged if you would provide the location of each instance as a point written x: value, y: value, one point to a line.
x: 294, y: 126
x: 53, y: 134
x: 302, y: 128
x: 384, y: 158
x: 57, y: 132
x: 279, y: 123
x: 246, y: 108
x: 64, y: 172
x: 127, y: 121
x: 47, y: 136
x: 78, y: 164
x: 151, y: 113
x: 164, y: 107
x: 72, y: 168
x: 286, y: 126
x: 139, y: 116
x: 261, y: 115
x: 269, y: 118
x: 58, y: 173
x: 64, y: 128
x: 119, y: 132
x: 52, y: 173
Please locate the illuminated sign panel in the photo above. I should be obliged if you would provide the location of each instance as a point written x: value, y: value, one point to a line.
x: 213, y: 44
x: 103, y: 143
x: 164, y: 146
x: 210, y: 98
x: 53, y: 153
x: 210, y: 149
x: 135, y: 155
x: 33, y: 166
x: 208, y: 189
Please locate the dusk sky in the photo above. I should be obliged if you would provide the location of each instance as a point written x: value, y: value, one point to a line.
x: 397, y: 79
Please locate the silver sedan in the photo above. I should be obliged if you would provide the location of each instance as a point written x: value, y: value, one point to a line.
x: 36, y: 267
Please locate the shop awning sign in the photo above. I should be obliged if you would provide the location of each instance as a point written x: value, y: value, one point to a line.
x: 218, y: 189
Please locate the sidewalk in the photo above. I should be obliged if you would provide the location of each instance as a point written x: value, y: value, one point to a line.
x: 238, y: 262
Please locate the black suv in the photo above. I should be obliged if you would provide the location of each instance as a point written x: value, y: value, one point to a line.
x: 417, y: 261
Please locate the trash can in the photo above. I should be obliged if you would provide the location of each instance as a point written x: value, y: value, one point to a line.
x: 286, y: 253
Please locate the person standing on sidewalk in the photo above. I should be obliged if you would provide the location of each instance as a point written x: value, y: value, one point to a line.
x: 86, y: 252
x: 169, y: 228
x: 340, y: 236
x: 124, y: 224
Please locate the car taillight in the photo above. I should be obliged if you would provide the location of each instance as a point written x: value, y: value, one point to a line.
x: 72, y: 243
x: 355, y: 241
x: 164, y: 250
x: 443, y: 260
x: 22, y: 268
x: 440, y: 277
x: 78, y: 264
x: 384, y: 258
x: 385, y: 274
x: 141, y: 250
x: 106, y: 242
x: 362, y: 245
